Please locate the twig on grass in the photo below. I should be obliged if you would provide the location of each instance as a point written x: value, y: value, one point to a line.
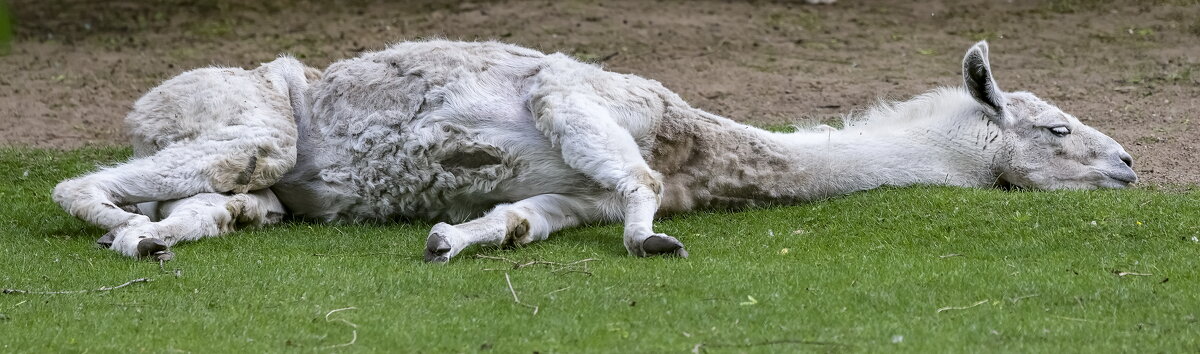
x: 515, y: 298
x: 107, y: 288
x: 948, y: 308
x: 353, y: 332
x: 557, y: 267
x: 571, y: 271
x: 1121, y: 274
x: 518, y: 265
x: 357, y: 254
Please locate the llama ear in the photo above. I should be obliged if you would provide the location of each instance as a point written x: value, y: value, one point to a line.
x: 977, y: 74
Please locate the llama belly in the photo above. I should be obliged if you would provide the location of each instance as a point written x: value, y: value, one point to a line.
x: 430, y: 131
x: 435, y: 171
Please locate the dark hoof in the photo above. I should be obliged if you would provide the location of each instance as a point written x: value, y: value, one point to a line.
x: 153, y: 248
x: 664, y: 245
x: 106, y: 241
x: 437, y: 250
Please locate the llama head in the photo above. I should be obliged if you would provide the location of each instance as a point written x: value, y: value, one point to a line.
x: 1041, y: 146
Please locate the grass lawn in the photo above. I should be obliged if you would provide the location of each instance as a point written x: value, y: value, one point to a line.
x: 911, y: 269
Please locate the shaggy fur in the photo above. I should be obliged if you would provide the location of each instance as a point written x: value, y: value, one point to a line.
x: 511, y: 145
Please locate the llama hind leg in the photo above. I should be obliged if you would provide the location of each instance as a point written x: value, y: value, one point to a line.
x: 516, y: 224
x: 598, y: 146
x: 199, y: 216
x: 177, y: 172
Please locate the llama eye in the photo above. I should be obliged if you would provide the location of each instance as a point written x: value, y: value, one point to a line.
x: 1060, y: 131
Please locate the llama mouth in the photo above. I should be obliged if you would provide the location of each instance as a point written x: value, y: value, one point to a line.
x: 1124, y: 178
x: 1116, y: 181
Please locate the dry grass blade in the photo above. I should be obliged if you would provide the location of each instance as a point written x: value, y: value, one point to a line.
x: 556, y: 291
x: 948, y: 308
x: 353, y: 331
x: 1075, y: 319
x: 517, y: 299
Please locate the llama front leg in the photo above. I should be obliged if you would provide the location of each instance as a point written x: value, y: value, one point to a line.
x: 196, y: 217
x: 603, y: 149
x: 516, y: 224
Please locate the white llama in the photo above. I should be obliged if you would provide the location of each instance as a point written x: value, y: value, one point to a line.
x: 519, y: 144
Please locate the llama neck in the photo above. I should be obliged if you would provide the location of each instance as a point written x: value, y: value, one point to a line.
x: 840, y: 162
x: 720, y: 163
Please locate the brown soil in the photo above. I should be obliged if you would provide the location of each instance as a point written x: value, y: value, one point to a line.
x: 1128, y: 68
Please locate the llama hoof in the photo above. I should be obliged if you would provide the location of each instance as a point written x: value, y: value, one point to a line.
x: 133, y: 239
x: 106, y: 241
x: 660, y: 244
x: 444, y: 242
x: 153, y: 248
x: 437, y: 249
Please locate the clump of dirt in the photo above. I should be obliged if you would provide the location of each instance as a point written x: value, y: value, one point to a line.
x: 1130, y: 69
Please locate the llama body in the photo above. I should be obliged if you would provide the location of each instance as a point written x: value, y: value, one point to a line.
x: 427, y: 130
x: 512, y: 144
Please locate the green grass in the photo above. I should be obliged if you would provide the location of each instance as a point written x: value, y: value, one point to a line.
x: 866, y: 273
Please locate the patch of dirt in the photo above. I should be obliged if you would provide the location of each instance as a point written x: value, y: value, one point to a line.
x: 1128, y: 68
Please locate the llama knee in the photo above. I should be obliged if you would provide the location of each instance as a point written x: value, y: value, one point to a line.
x: 650, y: 180
x: 516, y: 231
x: 253, y: 210
x: 250, y: 165
x: 523, y: 227
x: 241, y: 173
x: 73, y: 195
x: 642, y: 182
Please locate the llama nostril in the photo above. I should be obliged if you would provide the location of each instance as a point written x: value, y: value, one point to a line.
x: 1128, y: 160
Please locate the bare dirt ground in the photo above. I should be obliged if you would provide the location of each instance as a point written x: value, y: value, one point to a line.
x: 1128, y: 68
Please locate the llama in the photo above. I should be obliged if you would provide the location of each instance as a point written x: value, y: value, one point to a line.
x: 505, y: 145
